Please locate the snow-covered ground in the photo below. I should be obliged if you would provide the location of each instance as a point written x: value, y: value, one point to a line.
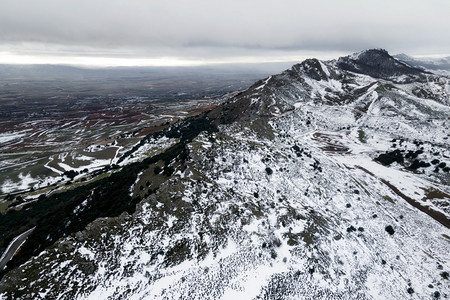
x: 291, y: 205
x: 11, y: 136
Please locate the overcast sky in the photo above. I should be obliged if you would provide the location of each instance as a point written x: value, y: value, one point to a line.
x: 196, y: 31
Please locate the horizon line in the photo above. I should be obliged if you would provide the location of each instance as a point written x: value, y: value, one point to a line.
x: 7, y: 58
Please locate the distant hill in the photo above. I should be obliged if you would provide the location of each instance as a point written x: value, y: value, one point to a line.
x: 432, y: 64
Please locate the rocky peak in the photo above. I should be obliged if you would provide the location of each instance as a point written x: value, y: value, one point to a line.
x: 311, y: 68
x: 377, y: 63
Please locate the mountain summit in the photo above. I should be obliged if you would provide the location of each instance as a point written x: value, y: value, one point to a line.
x: 329, y: 180
x: 329, y: 82
x: 379, y: 64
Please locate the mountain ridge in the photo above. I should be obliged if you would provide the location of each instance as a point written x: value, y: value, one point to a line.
x: 300, y: 191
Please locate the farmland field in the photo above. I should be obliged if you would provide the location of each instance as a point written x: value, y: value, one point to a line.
x: 55, y: 120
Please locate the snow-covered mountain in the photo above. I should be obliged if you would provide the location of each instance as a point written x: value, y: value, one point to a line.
x: 327, y: 181
x: 436, y: 65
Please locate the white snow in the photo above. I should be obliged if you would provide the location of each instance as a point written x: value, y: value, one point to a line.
x: 313, y: 228
x: 86, y: 252
x: 24, y: 183
x: 264, y: 84
x: 11, y: 136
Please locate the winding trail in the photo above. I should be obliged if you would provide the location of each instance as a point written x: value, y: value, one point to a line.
x: 12, y: 248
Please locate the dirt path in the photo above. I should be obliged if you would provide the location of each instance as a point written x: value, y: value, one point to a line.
x: 13, y: 247
x: 437, y: 215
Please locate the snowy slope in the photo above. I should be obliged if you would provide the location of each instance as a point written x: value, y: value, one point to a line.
x: 327, y: 181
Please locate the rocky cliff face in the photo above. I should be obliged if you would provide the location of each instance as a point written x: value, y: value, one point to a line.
x: 329, y: 180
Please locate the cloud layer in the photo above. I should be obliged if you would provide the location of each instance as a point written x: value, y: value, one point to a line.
x: 205, y: 29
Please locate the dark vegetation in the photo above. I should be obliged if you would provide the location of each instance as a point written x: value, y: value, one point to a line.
x: 445, y: 275
x: 54, y: 216
x: 410, y: 158
x: 390, y: 157
x: 362, y: 136
x: 178, y: 253
x: 316, y: 166
x: 300, y: 151
x: 185, y: 131
x: 71, y: 174
x: 389, y: 229
x: 351, y: 229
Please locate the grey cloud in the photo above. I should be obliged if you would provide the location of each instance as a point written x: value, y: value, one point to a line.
x: 201, y: 27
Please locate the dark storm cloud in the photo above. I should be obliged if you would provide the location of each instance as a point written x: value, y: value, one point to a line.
x: 205, y: 28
